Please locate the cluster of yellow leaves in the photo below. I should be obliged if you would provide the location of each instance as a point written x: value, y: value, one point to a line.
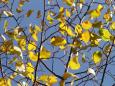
x: 44, y: 53
x: 66, y: 29
x: 74, y: 63
x: 107, y: 16
x: 22, y: 42
x: 5, y: 82
x: 49, y: 18
x: 97, y: 56
x: 97, y: 12
x: 49, y: 80
x: 105, y: 34
x: 6, y: 46
x: 15, y: 33
x: 26, y: 70
x: 34, y: 31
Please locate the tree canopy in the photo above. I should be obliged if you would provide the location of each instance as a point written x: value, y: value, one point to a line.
x: 57, y: 42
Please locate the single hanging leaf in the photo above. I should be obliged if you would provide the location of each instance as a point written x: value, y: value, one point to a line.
x: 91, y: 71
x: 68, y: 14
x: 58, y: 41
x: 48, y: 79
x: 50, y: 19
x: 39, y: 14
x: 8, y: 13
x: 97, y: 56
x: 28, y: 14
x: 105, y: 34
x: 29, y: 67
x: 112, y: 26
x: 74, y: 63
x: 5, y: 25
x: 85, y: 36
x: 69, y: 2
x: 33, y: 56
x: 86, y: 25
x: 44, y: 53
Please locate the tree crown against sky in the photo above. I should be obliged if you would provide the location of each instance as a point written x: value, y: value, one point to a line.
x: 57, y: 42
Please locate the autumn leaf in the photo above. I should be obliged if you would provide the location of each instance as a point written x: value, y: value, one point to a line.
x: 68, y: 14
x: 28, y: 14
x: 86, y: 25
x: 44, y: 53
x: 105, y: 34
x: 32, y: 46
x: 85, y: 36
x: 33, y: 56
x: 58, y: 41
x: 74, y: 63
x: 69, y: 2
x: 48, y: 79
x: 29, y: 67
x: 97, y: 56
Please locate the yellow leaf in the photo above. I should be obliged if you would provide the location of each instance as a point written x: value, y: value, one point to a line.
x: 5, y: 82
x: 32, y: 46
x: 97, y: 57
x: 112, y: 26
x: 69, y: 2
x: 31, y: 76
x: 105, y: 34
x: 22, y: 43
x: 52, y: 79
x: 85, y: 36
x: 68, y: 14
x: 68, y: 75
x: 8, y: 13
x: 34, y: 31
x: 28, y: 14
x: 50, y: 19
x: 78, y: 29
x: 74, y: 63
x: 58, y: 41
x: 66, y: 29
x: 94, y: 13
x: 48, y: 79
x: 5, y: 25
x: 44, y: 53
x: 33, y: 56
x: 99, y: 7
x: 29, y: 68
x: 86, y: 25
